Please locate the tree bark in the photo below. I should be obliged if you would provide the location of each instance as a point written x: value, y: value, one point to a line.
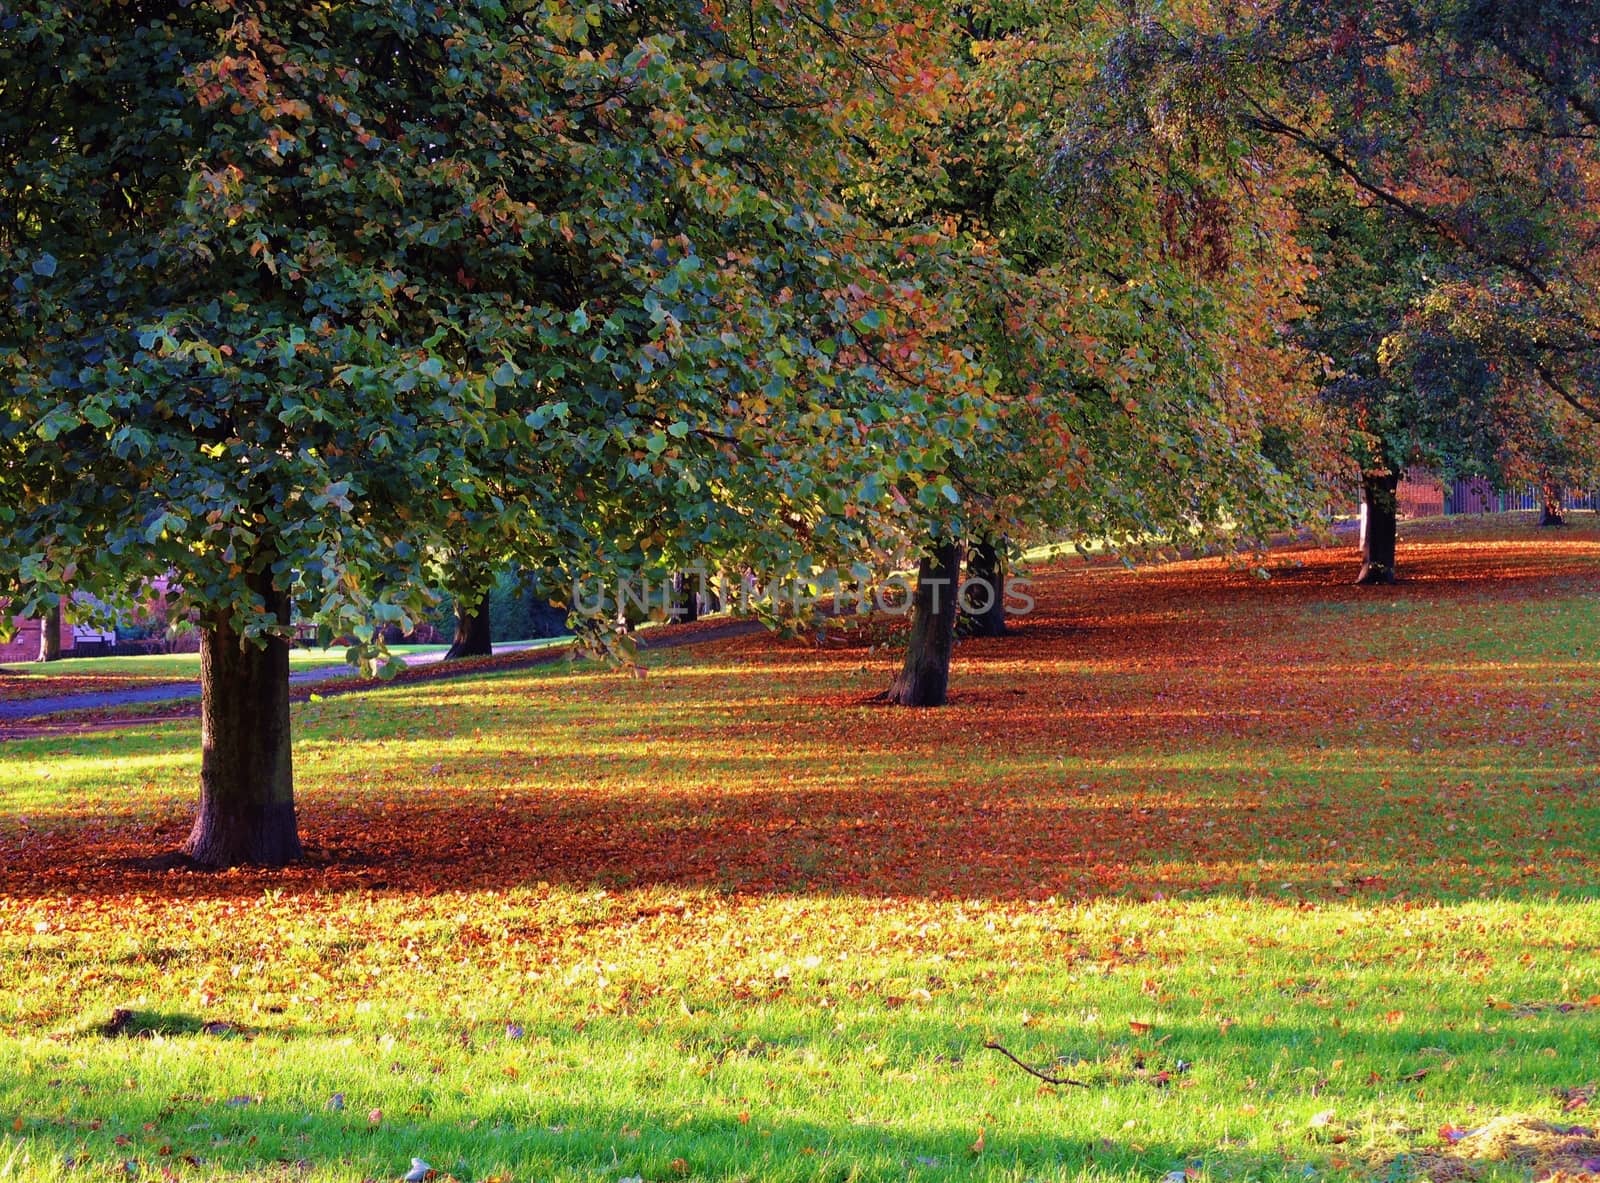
x: 924, y: 679
x: 50, y: 633
x: 685, y: 596
x: 1551, y: 511
x: 1378, y: 498
x: 246, y: 763
x: 473, y: 637
x: 983, y: 595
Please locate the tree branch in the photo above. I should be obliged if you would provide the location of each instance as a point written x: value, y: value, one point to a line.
x: 992, y: 1046
x: 1587, y: 410
x: 1264, y: 120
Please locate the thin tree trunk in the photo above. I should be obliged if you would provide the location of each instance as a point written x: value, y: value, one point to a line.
x: 924, y: 679
x: 473, y: 636
x: 685, y: 595
x: 246, y: 762
x: 983, y: 595
x: 1378, y: 498
x: 50, y: 633
x: 1551, y: 511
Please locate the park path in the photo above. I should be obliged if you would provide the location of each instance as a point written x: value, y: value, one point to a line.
x: 26, y: 718
x: 181, y: 689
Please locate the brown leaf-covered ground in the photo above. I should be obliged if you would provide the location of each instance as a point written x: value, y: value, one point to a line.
x: 1192, y: 727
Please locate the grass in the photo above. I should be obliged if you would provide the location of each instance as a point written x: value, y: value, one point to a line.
x: 1291, y: 875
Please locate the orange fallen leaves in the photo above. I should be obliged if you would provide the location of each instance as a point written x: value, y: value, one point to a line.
x: 1130, y: 738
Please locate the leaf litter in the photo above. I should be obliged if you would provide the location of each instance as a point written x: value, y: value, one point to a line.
x: 1548, y: 1152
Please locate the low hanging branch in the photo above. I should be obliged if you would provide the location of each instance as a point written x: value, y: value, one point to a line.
x: 1034, y: 1071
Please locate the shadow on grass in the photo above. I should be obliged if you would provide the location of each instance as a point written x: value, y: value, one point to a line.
x: 1329, y: 838
x: 544, y: 1135
x: 322, y: 1119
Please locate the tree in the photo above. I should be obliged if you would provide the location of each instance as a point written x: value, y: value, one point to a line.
x: 50, y: 633
x: 473, y: 634
x: 1553, y: 449
x: 302, y: 299
x: 1371, y: 271
x: 1118, y: 280
x: 982, y: 599
x: 924, y: 678
x: 1470, y: 130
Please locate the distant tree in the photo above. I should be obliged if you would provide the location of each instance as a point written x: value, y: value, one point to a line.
x: 1470, y: 129
x: 1404, y: 400
x: 474, y: 634
x: 50, y: 632
x: 1079, y: 199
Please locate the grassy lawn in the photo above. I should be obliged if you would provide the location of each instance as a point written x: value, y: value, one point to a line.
x: 1300, y: 880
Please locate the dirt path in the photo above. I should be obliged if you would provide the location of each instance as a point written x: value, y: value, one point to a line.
x: 109, y: 709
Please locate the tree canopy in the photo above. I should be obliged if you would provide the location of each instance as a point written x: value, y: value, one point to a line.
x: 312, y: 309
x: 301, y: 299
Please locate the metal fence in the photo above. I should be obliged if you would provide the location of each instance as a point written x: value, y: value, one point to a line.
x: 1477, y: 495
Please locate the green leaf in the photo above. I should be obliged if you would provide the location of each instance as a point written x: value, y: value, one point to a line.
x: 541, y: 417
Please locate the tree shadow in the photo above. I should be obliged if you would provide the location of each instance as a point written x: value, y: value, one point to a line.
x: 1008, y: 839
x: 545, y: 1131
x: 336, y: 1115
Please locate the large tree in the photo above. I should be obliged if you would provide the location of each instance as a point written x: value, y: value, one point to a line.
x: 1404, y: 398
x: 301, y: 298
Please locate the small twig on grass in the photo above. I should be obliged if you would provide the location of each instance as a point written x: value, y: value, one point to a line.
x: 1034, y: 1071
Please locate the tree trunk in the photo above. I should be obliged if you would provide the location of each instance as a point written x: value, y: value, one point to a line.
x: 50, y: 633
x: 473, y: 637
x: 925, y: 678
x: 1551, y: 511
x: 983, y: 595
x: 685, y: 596
x: 1379, y: 501
x: 246, y: 763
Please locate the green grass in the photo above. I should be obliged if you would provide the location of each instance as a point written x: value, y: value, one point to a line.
x: 1290, y: 876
